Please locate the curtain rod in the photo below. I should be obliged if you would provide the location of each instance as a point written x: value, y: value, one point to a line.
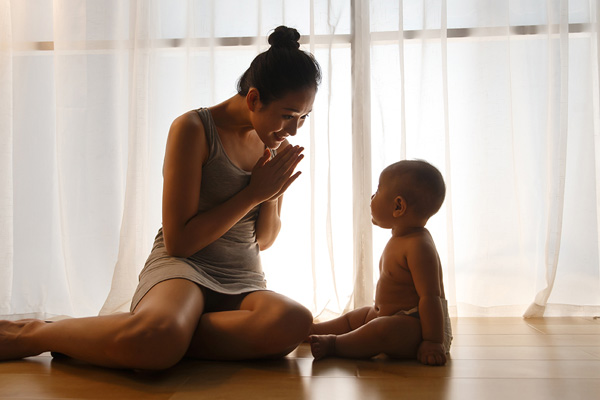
x: 452, y: 33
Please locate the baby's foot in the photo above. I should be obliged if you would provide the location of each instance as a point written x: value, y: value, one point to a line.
x: 11, y: 348
x: 322, y: 346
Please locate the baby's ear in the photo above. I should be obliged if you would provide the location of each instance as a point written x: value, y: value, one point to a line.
x: 399, y: 206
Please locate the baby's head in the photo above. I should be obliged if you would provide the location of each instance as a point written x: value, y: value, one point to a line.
x: 419, y: 183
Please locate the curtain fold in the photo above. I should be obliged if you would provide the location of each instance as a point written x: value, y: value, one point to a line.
x: 594, y: 51
x: 557, y: 131
x: 361, y: 153
x: 6, y: 159
x: 135, y: 233
x: 449, y: 278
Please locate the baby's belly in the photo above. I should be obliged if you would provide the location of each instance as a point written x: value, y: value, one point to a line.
x: 390, y: 300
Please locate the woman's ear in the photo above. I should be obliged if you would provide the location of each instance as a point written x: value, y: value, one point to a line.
x: 399, y: 206
x: 253, y: 99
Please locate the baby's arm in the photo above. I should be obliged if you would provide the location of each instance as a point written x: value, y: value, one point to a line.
x: 423, y: 262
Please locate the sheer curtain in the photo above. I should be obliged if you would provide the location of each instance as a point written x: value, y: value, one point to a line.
x: 502, y: 96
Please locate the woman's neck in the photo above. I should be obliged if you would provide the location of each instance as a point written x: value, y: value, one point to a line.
x: 232, y: 115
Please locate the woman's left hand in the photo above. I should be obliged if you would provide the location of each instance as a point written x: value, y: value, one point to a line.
x: 271, y: 177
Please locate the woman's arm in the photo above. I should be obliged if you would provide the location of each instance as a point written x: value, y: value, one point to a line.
x: 185, y: 230
x: 268, y: 223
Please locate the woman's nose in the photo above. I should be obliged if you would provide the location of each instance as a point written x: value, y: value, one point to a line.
x: 292, y: 127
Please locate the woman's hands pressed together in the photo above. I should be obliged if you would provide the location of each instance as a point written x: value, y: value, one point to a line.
x: 271, y: 177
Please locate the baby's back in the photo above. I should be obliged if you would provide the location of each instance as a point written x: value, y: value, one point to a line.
x: 408, y: 266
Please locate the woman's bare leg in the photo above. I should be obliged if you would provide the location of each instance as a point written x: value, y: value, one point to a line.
x: 155, y: 336
x: 396, y: 336
x: 267, y: 325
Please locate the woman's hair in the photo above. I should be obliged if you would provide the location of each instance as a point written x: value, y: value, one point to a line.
x: 281, y: 69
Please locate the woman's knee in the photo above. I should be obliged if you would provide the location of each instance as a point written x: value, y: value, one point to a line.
x: 278, y: 324
x: 152, y: 343
x: 296, y: 319
x: 286, y: 327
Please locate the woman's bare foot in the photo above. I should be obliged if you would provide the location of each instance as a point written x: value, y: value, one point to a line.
x: 322, y: 346
x: 12, y: 333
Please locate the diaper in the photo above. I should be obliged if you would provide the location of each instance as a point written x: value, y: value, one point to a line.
x: 447, y: 326
x: 413, y: 312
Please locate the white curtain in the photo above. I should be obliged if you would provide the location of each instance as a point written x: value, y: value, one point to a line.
x: 502, y: 96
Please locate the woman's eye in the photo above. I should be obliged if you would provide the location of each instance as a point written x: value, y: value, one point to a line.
x: 288, y: 117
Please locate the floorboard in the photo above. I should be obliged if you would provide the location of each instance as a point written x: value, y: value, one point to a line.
x: 491, y: 358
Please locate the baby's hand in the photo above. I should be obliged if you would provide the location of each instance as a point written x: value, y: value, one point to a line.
x: 431, y: 353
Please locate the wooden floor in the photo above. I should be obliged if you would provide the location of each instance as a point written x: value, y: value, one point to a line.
x: 499, y: 358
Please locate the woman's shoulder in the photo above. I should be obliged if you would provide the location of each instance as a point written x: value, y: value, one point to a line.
x: 187, y: 132
x: 189, y: 121
x: 188, y: 126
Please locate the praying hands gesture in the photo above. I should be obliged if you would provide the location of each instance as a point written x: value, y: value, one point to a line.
x: 272, y: 176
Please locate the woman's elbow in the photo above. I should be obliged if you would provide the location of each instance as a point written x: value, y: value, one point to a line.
x: 266, y: 239
x: 174, y: 251
x: 263, y: 245
x: 175, y: 248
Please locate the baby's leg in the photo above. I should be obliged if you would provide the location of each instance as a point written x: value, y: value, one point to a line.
x: 396, y: 336
x: 345, y: 323
x: 322, y: 346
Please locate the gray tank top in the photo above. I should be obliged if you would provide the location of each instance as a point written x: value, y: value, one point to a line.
x: 231, y: 264
x: 235, y: 255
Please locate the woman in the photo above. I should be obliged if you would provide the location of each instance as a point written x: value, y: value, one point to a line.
x: 202, y: 292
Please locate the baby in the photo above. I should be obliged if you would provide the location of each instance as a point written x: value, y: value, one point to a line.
x: 410, y: 316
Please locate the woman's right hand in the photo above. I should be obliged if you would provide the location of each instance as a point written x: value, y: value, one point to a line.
x: 271, y: 177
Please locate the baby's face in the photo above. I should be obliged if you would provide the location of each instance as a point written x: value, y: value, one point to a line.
x: 382, y: 203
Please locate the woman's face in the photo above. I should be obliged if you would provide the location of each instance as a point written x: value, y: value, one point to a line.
x: 281, y: 118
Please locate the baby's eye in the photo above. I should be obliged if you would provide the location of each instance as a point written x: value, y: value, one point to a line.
x: 288, y: 117
x: 305, y: 116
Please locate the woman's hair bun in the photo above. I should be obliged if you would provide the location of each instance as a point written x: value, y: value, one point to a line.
x: 283, y: 36
x: 281, y: 69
